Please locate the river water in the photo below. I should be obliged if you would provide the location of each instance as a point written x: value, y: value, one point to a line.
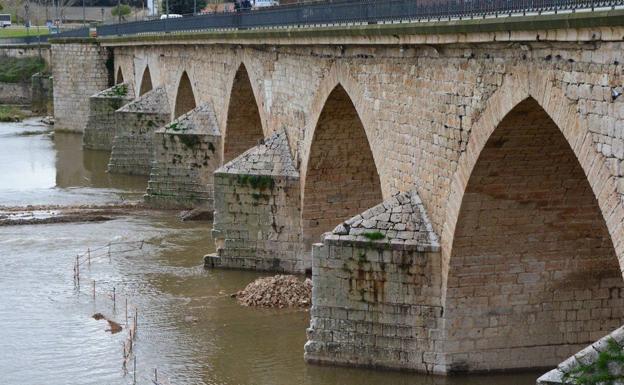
x: 188, y: 326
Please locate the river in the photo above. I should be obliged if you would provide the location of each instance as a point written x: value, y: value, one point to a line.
x: 189, y: 328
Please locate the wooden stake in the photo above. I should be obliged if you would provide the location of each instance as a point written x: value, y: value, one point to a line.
x: 114, y: 298
x: 126, y: 311
x: 89, y: 256
x: 94, y: 290
x: 77, y: 269
x: 134, y: 380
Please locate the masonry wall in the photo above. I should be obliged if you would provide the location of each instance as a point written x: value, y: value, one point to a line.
x: 256, y: 223
x: 419, y: 104
x: 79, y: 71
x: 42, y: 94
x: 534, y: 276
x: 15, y: 93
x: 181, y: 174
x: 374, y: 305
x: 102, y: 122
x: 341, y: 178
x: 133, y: 144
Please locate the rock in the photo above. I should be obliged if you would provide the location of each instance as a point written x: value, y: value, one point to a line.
x: 280, y: 291
x: 196, y: 215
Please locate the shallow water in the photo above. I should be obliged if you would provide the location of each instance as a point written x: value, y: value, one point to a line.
x: 189, y: 327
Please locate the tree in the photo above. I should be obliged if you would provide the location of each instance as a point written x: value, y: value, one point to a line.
x: 182, y: 6
x: 121, y: 11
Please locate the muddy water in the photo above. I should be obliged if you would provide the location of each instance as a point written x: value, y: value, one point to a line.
x: 189, y: 328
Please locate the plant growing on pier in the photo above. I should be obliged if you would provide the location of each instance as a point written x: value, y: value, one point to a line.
x: 606, y: 369
x: 374, y: 235
x: 258, y: 182
x: 119, y: 90
x: 10, y: 114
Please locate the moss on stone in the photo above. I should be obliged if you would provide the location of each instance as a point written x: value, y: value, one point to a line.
x: 258, y: 182
x: 606, y: 369
x: 374, y: 235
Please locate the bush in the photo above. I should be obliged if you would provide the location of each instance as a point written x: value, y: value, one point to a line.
x: 121, y: 10
x: 18, y: 70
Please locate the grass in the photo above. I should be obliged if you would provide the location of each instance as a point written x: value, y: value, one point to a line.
x: 20, y: 31
x: 11, y: 114
x: 17, y: 70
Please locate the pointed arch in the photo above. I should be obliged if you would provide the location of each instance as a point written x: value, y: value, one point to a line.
x: 185, y: 98
x: 146, y: 81
x: 243, y: 128
x: 531, y: 252
x: 120, y: 78
x: 341, y: 179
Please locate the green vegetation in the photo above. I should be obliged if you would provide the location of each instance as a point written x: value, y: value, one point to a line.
x: 20, y: 31
x: 599, y: 372
x: 121, y: 10
x: 120, y: 90
x: 17, y: 70
x: 374, y: 236
x: 11, y: 114
x: 190, y: 141
x: 183, y: 7
x: 259, y: 182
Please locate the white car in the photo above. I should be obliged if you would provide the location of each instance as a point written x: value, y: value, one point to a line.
x: 5, y: 20
x: 171, y: 16
x: 264, y: 3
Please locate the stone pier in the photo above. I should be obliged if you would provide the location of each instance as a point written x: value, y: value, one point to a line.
x: 133, y: 145
x: 376, y: 290
x: 102, y: 122
x: 256, y: 223
x: 186, y: 156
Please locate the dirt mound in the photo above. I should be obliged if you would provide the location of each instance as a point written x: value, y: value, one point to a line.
x: 280, y: 291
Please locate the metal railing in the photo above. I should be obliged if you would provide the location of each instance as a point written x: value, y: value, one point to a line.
x: 39, y: 39
x: 351, y: 12
x: 341, y: 12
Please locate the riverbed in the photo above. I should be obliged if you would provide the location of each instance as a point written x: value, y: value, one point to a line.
x: 189, y: 328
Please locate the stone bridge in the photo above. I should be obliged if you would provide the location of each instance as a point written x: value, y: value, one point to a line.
x: 456, y: 188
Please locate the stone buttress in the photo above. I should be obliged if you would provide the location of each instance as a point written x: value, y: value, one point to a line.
x: 186, y: 156
x: 101, y: 122
x: 376, y: 298
x: 133, y: 145
x: 257, y: 210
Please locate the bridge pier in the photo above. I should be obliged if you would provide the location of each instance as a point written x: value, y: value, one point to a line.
x: 186, y: 156
x: 133, y: 145
x: 376, y: 298
x: 257, y: 214
x: 102, y: 122
x: 80, y: 69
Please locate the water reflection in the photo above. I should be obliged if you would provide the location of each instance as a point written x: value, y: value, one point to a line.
x: 41, y: 168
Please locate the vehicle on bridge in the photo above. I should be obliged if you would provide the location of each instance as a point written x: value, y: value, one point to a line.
x: 5, y: 20
x: 264, y: 3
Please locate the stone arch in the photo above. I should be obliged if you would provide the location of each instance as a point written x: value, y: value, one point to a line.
x: 530, y: 268
x: 341, y: 177
x: 146, y: 81
x: 120, y: 77
x: 185, y: 97
x: 243, y: 124
x: 537, y: 85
